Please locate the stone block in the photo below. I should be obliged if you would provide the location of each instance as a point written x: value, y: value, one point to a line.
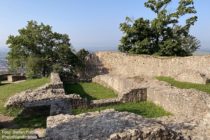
x: 14, y: 78
x: 60, y: 107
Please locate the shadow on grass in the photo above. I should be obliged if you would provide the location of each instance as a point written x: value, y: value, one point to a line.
x: 135, y: 111
x: 29, y: 118
x: 145, y: 109
x: 77, y: 89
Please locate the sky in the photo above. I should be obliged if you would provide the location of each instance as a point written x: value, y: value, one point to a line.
x: 91, y: 24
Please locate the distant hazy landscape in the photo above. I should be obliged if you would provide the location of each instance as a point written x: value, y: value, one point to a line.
x: 3, y: 53
x: 3, y: 62
x: 202, y: 52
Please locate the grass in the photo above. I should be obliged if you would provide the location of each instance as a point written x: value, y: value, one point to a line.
x: 185, y: 85
x: 9, y: 90
x: 91, y: 91
x: 145, y: 109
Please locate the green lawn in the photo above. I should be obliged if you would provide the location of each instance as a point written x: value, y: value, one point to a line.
x: 91, y: 91
x: 8, y: 90
x: 146, y: 109
x: 185, y: 85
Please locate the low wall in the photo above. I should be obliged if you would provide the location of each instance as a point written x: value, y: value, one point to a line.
x: 14, y: 78
x: 127, y: 90
x: 195, y: 68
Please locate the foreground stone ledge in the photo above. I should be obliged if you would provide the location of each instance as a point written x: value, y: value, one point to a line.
x: 108, y: 124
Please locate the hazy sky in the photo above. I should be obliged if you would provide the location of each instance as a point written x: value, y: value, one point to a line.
x: 91, y: 24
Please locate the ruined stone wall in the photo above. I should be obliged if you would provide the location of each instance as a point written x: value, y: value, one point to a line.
x: 127, y: 89
x: 192, y: 69
x: 182, y: 102
x: 51, y: 94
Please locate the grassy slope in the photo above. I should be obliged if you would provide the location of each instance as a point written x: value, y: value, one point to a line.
x: 9, y: 90
x: 146, y: 109
x: 185, y: 85
x: 91, y: 91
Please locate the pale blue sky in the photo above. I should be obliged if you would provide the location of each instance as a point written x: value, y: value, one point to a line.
x: 91, y: 24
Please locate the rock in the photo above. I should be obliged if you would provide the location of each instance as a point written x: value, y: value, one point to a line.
x: 41, y: 133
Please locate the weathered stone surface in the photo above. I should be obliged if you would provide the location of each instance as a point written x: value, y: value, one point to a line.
x: 104, y: 102
x: 55, y: 79
x: 60, y: 107
x: 192, y: 76
x: 136, y: 65
x: 38, y: 97
x: 108, y: 124
x: 127, y: 89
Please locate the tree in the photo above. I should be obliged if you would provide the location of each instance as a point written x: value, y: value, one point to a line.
x: 33, y: 65
x: 164, y: 35
x: 82, y: 55
x: 37, y: 49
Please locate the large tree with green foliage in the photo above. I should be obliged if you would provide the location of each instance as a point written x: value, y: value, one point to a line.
x: 37, y: 50
x: 164, y: 35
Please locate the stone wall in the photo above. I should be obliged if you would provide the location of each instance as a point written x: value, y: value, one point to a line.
x: 195, y: 68
x: 127, y: 90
